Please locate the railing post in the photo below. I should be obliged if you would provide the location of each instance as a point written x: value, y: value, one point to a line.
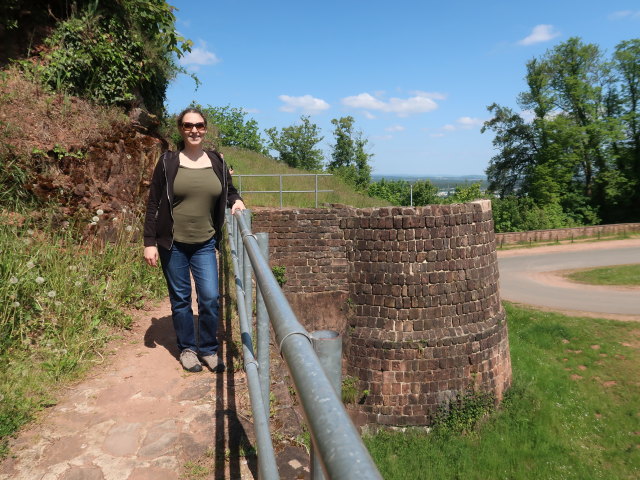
x: 247, y: 270
x: 262, y: 328
x: 328, y: 347
x: 316, y: 190
x: 239, y: 247
x: 280, y: 191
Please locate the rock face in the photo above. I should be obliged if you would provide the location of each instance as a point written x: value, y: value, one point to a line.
x: 114, y: 172
x: 413, y: 290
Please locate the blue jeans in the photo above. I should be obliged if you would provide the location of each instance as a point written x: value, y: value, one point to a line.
x: 199, y: 260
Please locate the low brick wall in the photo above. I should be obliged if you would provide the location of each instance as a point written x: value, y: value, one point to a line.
x: 413, y: 290
x: 557, y: 234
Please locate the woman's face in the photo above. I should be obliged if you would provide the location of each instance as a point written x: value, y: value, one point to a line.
x: 193, y: 129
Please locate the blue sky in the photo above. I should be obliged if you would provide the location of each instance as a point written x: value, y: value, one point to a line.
x: 416, y: 75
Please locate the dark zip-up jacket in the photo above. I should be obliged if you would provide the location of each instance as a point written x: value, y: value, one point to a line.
x: 158, y: 222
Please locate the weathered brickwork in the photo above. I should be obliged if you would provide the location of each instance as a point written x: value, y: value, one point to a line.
x: 424, y: 319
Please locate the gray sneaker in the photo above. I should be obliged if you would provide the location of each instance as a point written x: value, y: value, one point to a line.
x: 189, y: 361
x: 214, y: 362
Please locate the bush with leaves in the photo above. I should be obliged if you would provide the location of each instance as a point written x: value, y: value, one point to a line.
x: 296, y: 144
x: 115, y: 52
x: 231, y: 127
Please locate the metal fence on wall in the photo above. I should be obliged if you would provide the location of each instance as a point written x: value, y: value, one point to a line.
x: 281, y: 189
x: 337, y: 451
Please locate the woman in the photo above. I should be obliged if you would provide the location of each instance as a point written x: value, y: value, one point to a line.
x: 183, y: 224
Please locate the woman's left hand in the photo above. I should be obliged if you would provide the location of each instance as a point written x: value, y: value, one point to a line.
x: 237, y: 205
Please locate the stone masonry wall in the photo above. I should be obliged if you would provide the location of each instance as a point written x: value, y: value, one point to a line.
x: 557, y: 234
x: 414, y: 291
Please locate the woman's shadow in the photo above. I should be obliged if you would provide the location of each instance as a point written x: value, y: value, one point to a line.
x: 161, y: 333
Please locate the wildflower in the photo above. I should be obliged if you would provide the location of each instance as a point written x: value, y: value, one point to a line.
x: 51, y: 293
x: 72, y: 268
x: 78, y: 283
x: 29, y: 232
x: 13, y: 280
x: 95, y: 219
x: 58, y: 303
x: 16, y: 304
x: 39, y: 280
x: 93, y: 223
x: 99, y: 212
x: 129, y: 228
x: 30, y: 264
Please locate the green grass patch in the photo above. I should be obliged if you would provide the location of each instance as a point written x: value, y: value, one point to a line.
x: 612, y: 275
x: 61, y: 299
x: 573, y: 411
x: 248, y: 162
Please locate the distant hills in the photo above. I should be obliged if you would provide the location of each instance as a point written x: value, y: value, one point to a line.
x: 443, y: 182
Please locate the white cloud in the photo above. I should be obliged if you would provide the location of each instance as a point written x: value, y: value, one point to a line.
x: 436, y: 135
x: 539, y: 34
x: 307, y: 104
x: 199, y: 56
x: 364, y: 100
x: 470, y: 122
x: 463, y: 123
x: 382, y: 137
x: 395, y: 128
x: 420, y: 102
x: 624, y: 14
x: 369, y: 115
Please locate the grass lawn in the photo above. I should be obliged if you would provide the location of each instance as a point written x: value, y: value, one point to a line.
x: 573, y: 411
x: 613, y: 275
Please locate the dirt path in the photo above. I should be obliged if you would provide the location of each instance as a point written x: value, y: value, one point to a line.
x: 140, y: 416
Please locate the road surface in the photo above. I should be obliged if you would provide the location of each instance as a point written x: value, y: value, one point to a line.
x: 534, y: 277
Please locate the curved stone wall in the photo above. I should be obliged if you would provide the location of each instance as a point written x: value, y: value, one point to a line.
x: 427, y: 321
x: 421, y: 311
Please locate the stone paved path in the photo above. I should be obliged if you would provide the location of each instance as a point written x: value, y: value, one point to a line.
x: 139, y: 416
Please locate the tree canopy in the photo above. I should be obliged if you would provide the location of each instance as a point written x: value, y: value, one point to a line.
x: 579, y: 155
x: 296, y: 144
x: 349, y: 158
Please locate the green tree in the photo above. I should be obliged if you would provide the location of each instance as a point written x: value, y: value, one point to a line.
x: 577, y: 154
x: 467, y: 193
x: 296, y: 144
x: 627, y: 66
x: 401, y: 192
x: 232, y: 128
x: 115, y: 52
x: 424, y: 193
x: 349, y: 157
x: 393, y: 191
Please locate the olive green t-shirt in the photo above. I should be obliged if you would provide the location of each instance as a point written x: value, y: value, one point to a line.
x: 195, y: 191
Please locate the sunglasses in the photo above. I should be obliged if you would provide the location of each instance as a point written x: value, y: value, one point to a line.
x: 188, y: 126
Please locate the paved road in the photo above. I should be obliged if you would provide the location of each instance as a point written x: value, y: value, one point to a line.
x: 525, y: 278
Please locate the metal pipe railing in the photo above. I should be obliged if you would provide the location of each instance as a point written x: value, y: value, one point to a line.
x: 335, y: 438
x: 281, y: 190
x: 267, y: 466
